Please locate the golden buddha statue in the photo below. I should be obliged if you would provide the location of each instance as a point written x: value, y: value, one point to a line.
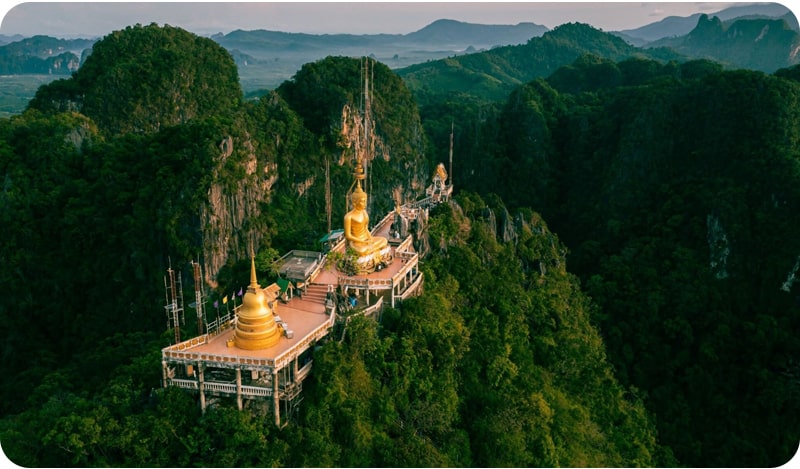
x: 356, y: 227
x: 441, y: 173
x: 255, y: 323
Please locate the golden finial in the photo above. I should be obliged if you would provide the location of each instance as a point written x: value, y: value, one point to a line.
x: 253, y: 280
x: 359, y: 172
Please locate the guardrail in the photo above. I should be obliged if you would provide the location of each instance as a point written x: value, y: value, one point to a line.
x: 226, y: 388
x: 367, y: 311
x: 219, y: 387
x: 410, y: 264
x: 183, y: 383
x: 256, y: 391
x: 372, y: 284
x: 420, y: 203
x: 384, y: 220
x: 403, y: 247
x: 304, y: 371
x: 412, y: 289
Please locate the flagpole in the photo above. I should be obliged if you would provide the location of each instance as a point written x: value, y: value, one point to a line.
x: 216, y: 303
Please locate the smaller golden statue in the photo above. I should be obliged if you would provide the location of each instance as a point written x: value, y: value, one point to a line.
x: 356, y: 227
x: 441, y: 173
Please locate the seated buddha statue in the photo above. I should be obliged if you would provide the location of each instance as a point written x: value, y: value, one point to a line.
x: 356, y: 227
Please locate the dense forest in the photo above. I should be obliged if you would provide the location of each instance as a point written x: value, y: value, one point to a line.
x: 613, y: 285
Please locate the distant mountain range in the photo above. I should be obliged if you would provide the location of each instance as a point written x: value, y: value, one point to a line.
x: 493, y: 74
x: 5, y: 39
x: 267, y: 58
x: 758, y: 44
x: 440, y: 35
x: 673, y: 26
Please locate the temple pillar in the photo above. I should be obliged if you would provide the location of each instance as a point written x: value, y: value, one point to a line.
x: 276, y: 398
x: 201, y: 386
x: 239, y: 388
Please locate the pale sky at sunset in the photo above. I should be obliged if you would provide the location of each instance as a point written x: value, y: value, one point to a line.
x: 72, y: 19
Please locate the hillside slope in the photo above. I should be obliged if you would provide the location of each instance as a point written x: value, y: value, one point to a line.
x: 98, y: 201
x: 675, y: 188
x: 493, y: 74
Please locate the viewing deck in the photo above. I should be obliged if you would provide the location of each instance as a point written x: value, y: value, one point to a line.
x: 307, y: 319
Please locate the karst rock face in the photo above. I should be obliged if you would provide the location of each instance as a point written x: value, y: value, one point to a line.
x: 146, y: 78
x: 223, y: 169
x: 329, y: 96
x: 229, y: 219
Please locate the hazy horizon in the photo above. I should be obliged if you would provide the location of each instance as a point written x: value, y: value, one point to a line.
x: 95, y: 19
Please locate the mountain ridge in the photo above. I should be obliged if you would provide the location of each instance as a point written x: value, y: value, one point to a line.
x: 681, y: 25
x: 758, y: 44
x: 455, y: 34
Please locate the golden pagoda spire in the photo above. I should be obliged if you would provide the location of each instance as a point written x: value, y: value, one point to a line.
x: 253, y: 280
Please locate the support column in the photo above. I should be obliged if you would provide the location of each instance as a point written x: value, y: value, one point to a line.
x: 201, y: 386
x: 276, y: 398
x: 239, y: 387
x: 163, y: 374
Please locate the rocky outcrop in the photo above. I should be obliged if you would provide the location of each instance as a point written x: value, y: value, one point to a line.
x: 231, y: 220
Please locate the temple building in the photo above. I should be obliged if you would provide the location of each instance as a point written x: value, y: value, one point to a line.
x: 262, y: 353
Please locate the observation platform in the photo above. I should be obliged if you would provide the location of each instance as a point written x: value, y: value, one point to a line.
x: 212, y: 365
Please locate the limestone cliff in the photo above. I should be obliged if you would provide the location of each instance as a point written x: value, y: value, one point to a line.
x: 230, y: 220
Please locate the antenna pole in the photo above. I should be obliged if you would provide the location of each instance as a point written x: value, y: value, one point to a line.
x: 173, y: 311
x: 328, y: 202
x: 198, y: 295
x: 367, y: 125
x: 451, y: 153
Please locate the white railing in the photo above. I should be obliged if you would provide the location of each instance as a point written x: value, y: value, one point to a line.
x: 256, y: 391
x: 420, y: 203
x: 339, y: 246
x: 378, y: 227
x: 405, y: 254
x: 173, y: 354
x: 411, y: 263
x: 318, y: 268
x: 412, y: 289
x: 223, y: 388
x: 371, y: 309
x: 304, y: 343
x: 403, y: 247
x: 220, y: 387
x: 183, y: 383
x: 303, y: 372
x: 212, y: 359
x: 193, y: 342
x: 372, y: 284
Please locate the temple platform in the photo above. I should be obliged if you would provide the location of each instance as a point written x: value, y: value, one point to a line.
x: 315, y: 296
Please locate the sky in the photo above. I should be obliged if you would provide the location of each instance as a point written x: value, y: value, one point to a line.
x: 96, y: 19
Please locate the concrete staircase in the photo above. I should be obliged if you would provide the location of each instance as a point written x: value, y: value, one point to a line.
x: 316, y: 293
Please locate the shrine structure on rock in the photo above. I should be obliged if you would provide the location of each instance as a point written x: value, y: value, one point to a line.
x: 260, y: 352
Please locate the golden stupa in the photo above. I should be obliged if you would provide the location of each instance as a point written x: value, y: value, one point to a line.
x: 255, y: 324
